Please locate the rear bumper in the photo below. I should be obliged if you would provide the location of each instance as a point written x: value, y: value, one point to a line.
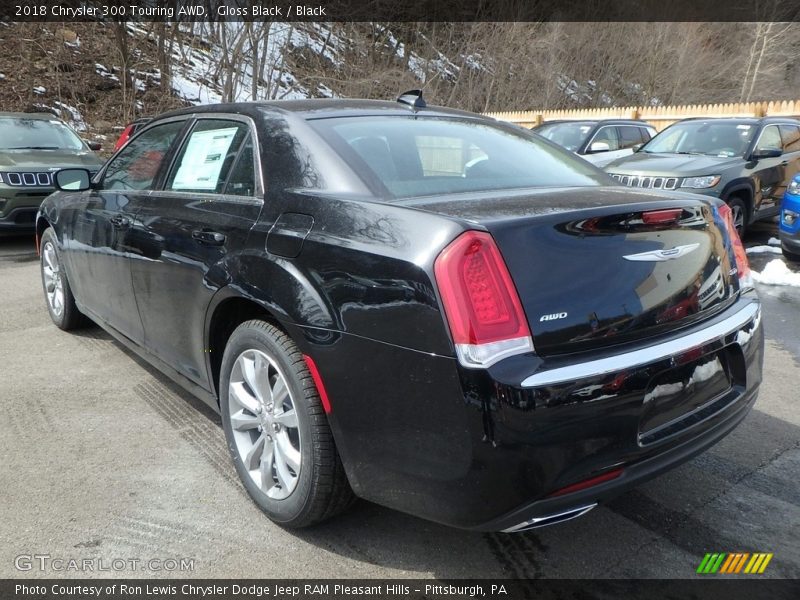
x: 552, y: 510
x: 487, y: 449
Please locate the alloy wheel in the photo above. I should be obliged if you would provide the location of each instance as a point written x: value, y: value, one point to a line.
x: 264, y: 424
x: 53, y: 279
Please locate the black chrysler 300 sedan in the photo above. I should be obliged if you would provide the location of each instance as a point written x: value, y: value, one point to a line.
x: 422, y: 307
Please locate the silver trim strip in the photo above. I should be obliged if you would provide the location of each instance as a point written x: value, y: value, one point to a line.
x: 567, y: 515
x: 636, y: 358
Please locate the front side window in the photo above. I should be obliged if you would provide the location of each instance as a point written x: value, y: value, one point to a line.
x: 207, y: 156
x: 419, y: 156
x: 19, y: 133
x: 138, y: 163
x: 713, y: 138
x: 770, y: 139
x: 607, y: 136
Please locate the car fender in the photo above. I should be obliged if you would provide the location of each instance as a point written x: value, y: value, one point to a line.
x: 741, y: 184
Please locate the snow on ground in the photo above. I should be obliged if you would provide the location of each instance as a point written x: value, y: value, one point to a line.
x: 75, y: 116
x: 773, y: 241
x: 777, y: 273
x: 763, y: 250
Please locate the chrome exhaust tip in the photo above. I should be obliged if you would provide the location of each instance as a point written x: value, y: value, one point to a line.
x: 550, y: 519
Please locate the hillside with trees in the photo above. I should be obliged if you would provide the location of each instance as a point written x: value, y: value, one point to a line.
x: 102, y: 75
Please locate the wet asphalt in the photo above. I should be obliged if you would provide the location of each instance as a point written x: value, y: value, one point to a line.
x: 103, y: 458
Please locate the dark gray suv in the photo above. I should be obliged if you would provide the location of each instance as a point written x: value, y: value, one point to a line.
x: 747, y: 162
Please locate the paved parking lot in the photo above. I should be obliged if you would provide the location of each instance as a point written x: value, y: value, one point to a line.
x: 104, y: 458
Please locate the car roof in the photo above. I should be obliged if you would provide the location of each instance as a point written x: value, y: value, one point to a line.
x: 745, y: 120
x: 320, y: 108
x: 599, y: 122
x: 22, y: 115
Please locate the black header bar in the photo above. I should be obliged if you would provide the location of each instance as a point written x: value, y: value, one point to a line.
x: 400, y: 10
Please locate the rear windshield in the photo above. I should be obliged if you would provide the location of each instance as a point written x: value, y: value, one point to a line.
x: 422, y: 156
x: 569, y: 135
x: 36, y: 134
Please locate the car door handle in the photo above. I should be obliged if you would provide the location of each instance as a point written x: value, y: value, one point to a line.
x: 120, y: 222
x: 209, y: 238
x: 784, y: 163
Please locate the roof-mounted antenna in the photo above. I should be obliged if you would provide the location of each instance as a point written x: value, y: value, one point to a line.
x: 412, y: 98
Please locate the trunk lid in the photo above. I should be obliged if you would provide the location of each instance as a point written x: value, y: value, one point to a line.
x: 600, y: 266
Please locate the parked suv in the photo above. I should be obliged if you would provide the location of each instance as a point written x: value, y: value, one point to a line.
x: 32, y: 148
x: 599, y: 142
x: 746, y: 162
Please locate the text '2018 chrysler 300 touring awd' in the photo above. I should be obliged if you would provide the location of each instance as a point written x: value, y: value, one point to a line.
x: 421, y: 307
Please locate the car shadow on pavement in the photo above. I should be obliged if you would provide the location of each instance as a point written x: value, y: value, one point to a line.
x: 684, y: 513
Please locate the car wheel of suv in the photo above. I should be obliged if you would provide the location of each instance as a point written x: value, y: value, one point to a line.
x: 739, y: 214
x: 790, y: 255
x: 57, y: 292
x: 277, y: 431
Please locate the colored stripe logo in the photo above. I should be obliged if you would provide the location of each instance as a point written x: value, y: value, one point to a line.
x: 734, y: 563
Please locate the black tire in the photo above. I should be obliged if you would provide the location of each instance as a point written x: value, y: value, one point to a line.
x: 790, y: 255
x: 68, y: 317
x: 322, y: 489
x: 740, y: 206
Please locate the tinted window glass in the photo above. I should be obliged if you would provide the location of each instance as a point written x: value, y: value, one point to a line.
x: 242, y: 180
x: 770, y: 139
x: 646, y: 134
x: 567, y: 135
x: 714, y: 138
x: 205, y: 160
x: 417, y: 156
x: 790, y: 136
x: 607, y: 135
x: 629, y: 136
x: 137, y: 164
x: 21, y: 134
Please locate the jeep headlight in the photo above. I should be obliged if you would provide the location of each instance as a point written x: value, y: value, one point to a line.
x: 794, y: 187
x: 706, y: 181
x: 789, y: 217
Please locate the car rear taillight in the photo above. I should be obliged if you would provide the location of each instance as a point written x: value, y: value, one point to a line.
x: 126, y: 133
x: 742, y: 264
x: 480, y: 301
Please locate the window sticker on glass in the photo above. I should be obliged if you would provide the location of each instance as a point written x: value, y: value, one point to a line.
x: 745, y: 127
x: 203, y: 159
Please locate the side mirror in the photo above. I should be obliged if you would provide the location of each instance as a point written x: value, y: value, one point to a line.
x: 599, y: 147
x: 72, y: 180
x: 766, y: 153
x: 636, y: 147
x: 94, y: 146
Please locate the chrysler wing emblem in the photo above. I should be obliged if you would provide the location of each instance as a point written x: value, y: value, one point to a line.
x: 662, y: 255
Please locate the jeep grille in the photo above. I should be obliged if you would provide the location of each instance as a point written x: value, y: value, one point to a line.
x: 647, y: 181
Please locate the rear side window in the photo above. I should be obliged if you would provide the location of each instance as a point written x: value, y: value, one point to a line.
x: 790, y: 136
x: 242, y: 180
x: 419, y: 156
x: 138, y: 163
x: 207, y: 157
x: 629, y: 136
